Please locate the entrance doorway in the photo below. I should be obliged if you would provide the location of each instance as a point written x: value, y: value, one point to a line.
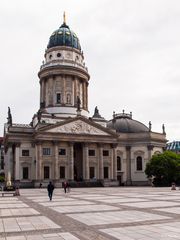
x: 119, y: 178
x: 78, y: 162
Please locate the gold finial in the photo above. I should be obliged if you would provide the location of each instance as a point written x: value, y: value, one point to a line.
x: 64, y: 17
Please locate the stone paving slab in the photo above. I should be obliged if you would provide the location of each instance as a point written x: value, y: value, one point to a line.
x: 13, y: 205
x: 51, y: 236
x: 122, y: 200
x: 175, y: 210
x: 65, y: 203
x: 26, y: 224
x: 115, y: 217
x: 84, y: 208
x: 18, y: 212
x: 165, y: 231
x: 152, y: 204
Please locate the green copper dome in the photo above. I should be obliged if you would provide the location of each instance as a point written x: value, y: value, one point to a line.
x: 64, y: 37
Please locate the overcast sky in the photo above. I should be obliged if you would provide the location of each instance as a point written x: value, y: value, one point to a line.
x: 131, y: 48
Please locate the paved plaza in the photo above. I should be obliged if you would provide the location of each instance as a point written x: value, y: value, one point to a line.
x: 126, y: 213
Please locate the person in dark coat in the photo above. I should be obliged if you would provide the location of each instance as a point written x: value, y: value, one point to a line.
x: 50, y: 189
x: 65, y: 186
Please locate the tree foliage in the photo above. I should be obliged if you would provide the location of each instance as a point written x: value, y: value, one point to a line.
x: 164, y: 168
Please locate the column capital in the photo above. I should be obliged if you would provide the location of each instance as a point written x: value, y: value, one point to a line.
x: 100, y: 145
x: 38, y: 142
x: 17, y: 144
x: 55, y: 142
x: 71, y: 144
x: 150, y: 147
x: 85, y: 144
x: 114, y: 145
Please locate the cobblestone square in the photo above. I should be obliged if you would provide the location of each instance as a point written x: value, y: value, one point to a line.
x: 125, y: 213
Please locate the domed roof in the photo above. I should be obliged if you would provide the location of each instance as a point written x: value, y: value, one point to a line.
x: 173, y: 146
x: 64, y: 37
x: 123, y: 123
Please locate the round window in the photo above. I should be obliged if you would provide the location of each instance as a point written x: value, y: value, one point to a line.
x: 58, y: 54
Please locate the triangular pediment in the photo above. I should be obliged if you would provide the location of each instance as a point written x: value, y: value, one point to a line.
x: 78, y: 127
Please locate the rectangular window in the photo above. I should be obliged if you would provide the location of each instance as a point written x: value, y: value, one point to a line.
x: 46, y: 151
x: 106, y: 175
x: 25, y: 153
x: 58, y: 98
x: 91, y: 152
x: 118, y: 163
x: 46, y: 172
x: 139, y: 166
x: 105, y: 153
x: 62, y: 151
x: 25, y: 172
x: 62, y: 172
x: 91, y: 170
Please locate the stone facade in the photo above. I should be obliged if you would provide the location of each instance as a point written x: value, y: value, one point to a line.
x: 63, y: 142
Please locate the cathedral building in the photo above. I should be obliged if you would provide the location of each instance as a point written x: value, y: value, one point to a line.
x: 63, y: 141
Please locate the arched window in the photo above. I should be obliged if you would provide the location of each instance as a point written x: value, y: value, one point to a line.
x: 58, y: 97
x: 139, y: 166
x: 68, y: 98
x: 118, y: 163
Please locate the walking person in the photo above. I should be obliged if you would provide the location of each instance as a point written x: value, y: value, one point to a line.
x: 50, y: 189
x: 65, y: 186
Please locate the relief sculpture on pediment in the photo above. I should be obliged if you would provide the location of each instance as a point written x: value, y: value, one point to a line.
x: 80, y: 127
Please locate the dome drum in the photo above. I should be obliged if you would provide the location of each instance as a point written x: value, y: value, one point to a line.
x: 56, y: 70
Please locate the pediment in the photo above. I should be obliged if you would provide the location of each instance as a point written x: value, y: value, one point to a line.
x: 78, y: 127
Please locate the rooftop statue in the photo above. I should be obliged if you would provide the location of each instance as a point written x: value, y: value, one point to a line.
x: 9, y: 118
x: 96, y: 113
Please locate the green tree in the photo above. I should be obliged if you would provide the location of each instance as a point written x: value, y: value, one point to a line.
x: 164, y: 168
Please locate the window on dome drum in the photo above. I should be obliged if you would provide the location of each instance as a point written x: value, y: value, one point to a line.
x: 68, y: 98
x: 118, y: 163
x: 91, y: 171
x: 58, y: 98
x: 105, y: 153
x: 106, y: 175
x: 62, y: 172
x: 139, y: 166
x: 50, y: 56
x: 91, y: 152
x: 58, y: 54
x: 46, y: 172
x: 25, y: 173
x: 62, y: 151
x: 25, y: 153
x: 46, y: 151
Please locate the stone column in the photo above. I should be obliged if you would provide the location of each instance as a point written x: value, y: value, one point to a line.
x: 150, y: 148
x: 39, y: 161
x: 71, y: 161
x: 128, y: 162
x: 64, y: 90
x: 85, y: 162
x: 75, y: 91
x: 86, y: 96
x: 17, y: 162
x: 114, y: 162
x: 56, y: 155
x: 73, y: 94
x: 101, y: 165
x: 8, y: 164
